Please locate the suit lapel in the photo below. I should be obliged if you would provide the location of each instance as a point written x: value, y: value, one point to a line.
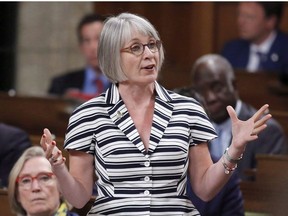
x: 161, y: 117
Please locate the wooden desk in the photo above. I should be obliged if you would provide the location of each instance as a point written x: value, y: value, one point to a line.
x: 32, y: 114
x: 258, y: 89
x: 269, y: 192
x: 4, y: 203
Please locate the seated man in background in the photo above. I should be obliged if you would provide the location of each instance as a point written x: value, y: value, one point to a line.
x: 33, y: 188
x: 13, y: 142
x: 213, y: 78
x: 88, y: 82
x: 261, y: 46
x: 229, y: 200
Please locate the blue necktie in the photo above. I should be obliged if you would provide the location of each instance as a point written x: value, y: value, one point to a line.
x: 262, y: 59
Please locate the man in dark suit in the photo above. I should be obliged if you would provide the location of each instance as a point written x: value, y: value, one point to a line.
x: 13, y: 142
x: 90, y: 81
x: 229, y: 201
x: 261, y: 46
x: 214, y: 79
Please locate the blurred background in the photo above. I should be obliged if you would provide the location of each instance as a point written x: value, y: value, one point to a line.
x: 38, y: 39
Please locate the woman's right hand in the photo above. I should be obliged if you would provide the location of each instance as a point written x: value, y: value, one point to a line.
x: 53, y: 154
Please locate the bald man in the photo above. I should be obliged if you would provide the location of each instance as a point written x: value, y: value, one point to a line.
x: 213, y: 78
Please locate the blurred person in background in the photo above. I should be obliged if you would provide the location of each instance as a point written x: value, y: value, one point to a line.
x: 13, y: 142
x: 33, y: 188
x: 261, y: 45
x: 213, y: 78
x: 88, y: 82
x: 229, y: 201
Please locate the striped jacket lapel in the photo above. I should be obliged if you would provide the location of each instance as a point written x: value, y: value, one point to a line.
x: 162, y: 115
x: 120, y: 116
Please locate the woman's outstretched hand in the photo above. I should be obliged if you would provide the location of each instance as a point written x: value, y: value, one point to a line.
x: 245, y: 131
x: 53, y: 154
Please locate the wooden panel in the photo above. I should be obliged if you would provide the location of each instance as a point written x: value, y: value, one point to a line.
x: 188, y: 30
x: 284, y: 20
x: 4, y: 203
x: 269, y: 192
x: 259, y: 88
x: 225, y: 24
x: 33, y: 114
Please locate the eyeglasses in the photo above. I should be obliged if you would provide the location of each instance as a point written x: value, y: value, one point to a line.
x: 43, y: 179
x: 138, y: 48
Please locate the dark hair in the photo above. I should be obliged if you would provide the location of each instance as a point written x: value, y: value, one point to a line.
x: 87, y: 19
x: 273, y: 9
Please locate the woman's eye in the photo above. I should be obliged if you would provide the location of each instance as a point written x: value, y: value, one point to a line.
x: 136, y: 47
x: 26, y: 180
x: 152, y: 45
x: 44, y: 178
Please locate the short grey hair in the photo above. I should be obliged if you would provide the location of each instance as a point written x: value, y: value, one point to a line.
x: 34, y: 151
x: 115, y: 33
x: 217, y: 62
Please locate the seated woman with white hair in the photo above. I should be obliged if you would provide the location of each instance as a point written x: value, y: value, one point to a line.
x: 33, y: 187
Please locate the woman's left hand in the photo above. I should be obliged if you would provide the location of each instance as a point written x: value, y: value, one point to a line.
x: 245, y: 131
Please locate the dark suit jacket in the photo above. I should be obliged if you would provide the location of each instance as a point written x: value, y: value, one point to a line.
x: 60, y: 84
x: 270, y: 141
x: 227, y: 202
x: 13, y: 142
x: 237, y: 53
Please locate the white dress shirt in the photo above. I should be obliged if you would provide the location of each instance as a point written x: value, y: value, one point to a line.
x: 254, y: 59
x: 224, y: 132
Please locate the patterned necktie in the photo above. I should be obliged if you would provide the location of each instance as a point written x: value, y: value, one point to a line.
x: 262, y: 59
x: 99, y: 85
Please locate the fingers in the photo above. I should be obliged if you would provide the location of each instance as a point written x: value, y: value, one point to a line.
x: 46, y: 139
x: 48, y: 135
x: 57, y: 158
x: 264, y: 109
x: 43, y: 142
x: 48, y: 144
x: 57, y: 161
x: 260, y: 120
x: 257, y: 130
x: 53, y: 154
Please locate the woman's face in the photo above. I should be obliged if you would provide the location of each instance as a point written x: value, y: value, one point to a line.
x: 142, y: 68
x: 42, y: 195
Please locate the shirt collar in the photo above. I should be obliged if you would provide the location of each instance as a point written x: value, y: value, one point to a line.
x: 265, y: 46
x: 112, y: 95
x: 238, y: 107
x: 92, y: 74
